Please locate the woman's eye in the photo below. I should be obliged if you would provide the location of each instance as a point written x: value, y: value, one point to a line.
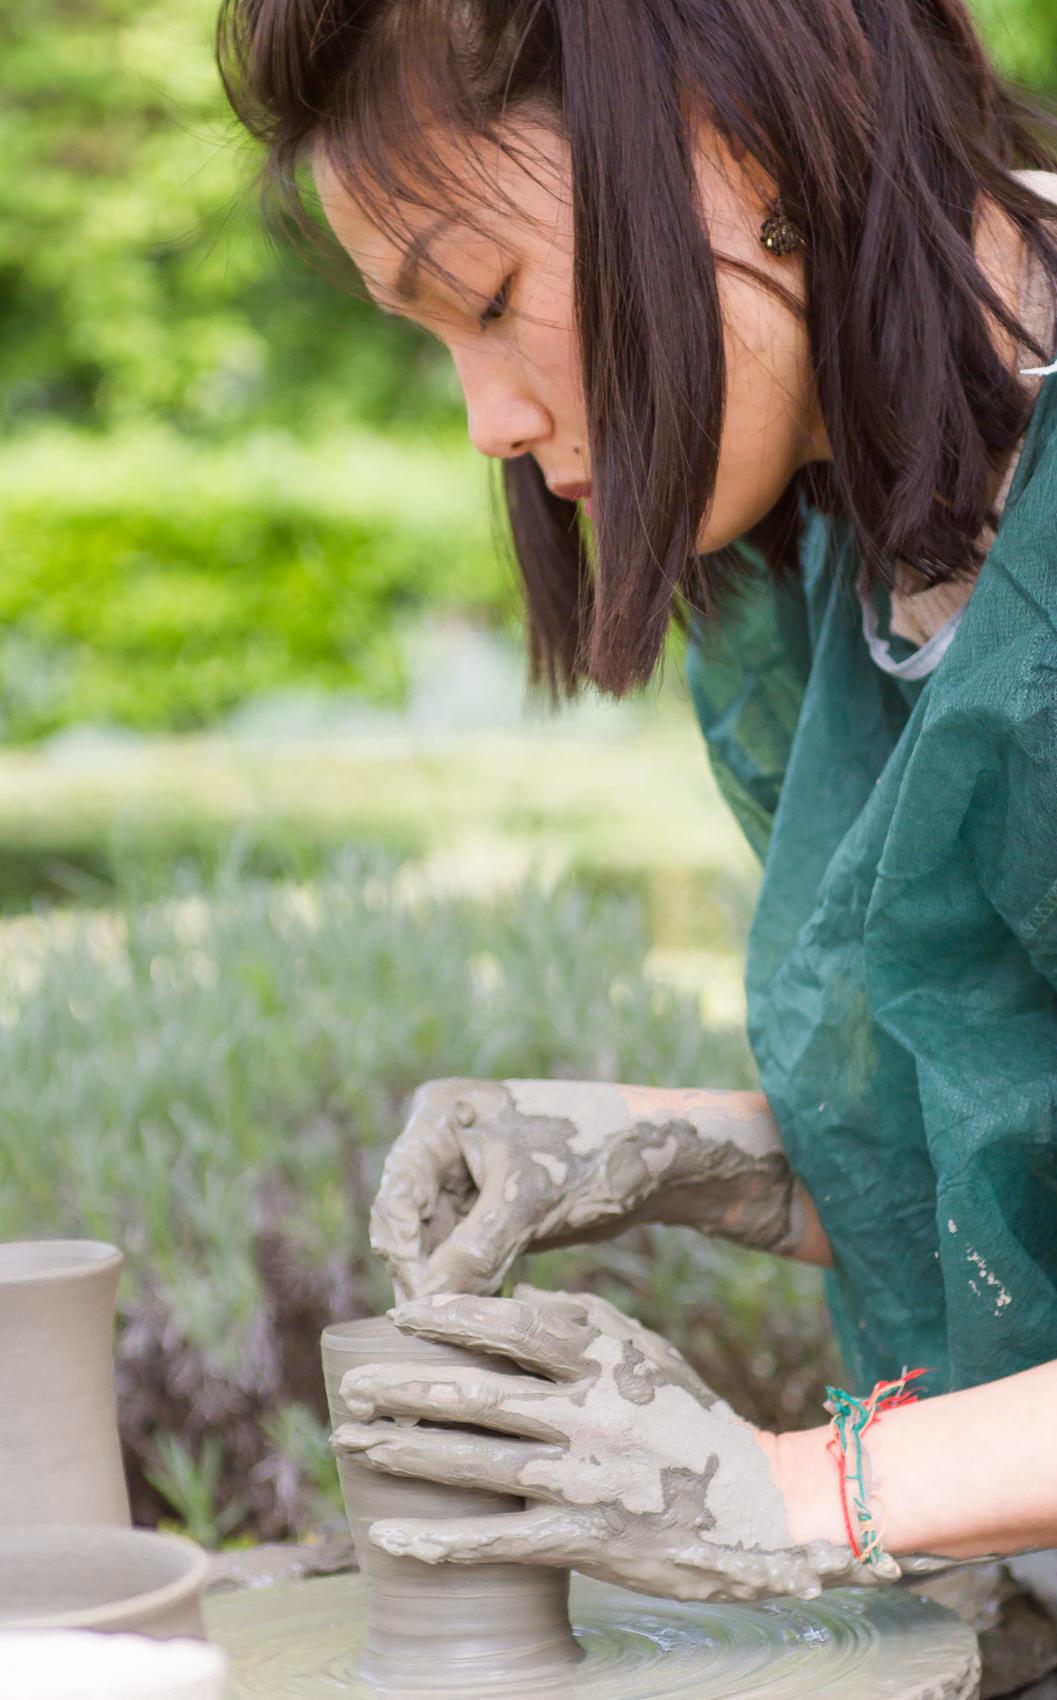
x: 498, y: 304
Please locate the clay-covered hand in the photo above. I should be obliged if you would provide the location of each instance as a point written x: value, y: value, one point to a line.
x: 485, y: 1170
x: 633, y: 1470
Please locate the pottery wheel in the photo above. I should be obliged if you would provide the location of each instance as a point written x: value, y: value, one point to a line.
x: 301, y: 1641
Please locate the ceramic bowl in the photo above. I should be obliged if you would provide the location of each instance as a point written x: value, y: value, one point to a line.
x: 60, y: 1577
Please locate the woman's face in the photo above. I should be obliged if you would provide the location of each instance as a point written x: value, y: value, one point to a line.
x: 500, y: 299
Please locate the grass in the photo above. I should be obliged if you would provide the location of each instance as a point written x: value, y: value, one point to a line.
x: 632, y: 811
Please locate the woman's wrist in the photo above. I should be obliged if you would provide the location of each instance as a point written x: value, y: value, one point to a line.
x: 961, y: 1476
x: 910, y: 1518
x: 807, y: 1480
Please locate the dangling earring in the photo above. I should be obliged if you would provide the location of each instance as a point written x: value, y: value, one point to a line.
x: 780, y: 234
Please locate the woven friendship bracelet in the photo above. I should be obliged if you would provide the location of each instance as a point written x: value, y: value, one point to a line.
x: 852, y: 1419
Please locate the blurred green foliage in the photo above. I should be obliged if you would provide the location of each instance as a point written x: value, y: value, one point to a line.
x: 628, y: 805
x: 1022, y: 35
x: 134, y: 278
x: 148, y: 582
x: 155, y: 583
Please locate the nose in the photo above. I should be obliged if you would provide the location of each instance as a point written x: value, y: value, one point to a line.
x: 502, y: 418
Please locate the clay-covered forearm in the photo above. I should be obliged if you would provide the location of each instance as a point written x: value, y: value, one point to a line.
x: 711, y: 1160
x: 487, y: 1169
x: 731, y: 1177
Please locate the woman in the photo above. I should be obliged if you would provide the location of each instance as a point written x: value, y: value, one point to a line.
x: 765, y: 294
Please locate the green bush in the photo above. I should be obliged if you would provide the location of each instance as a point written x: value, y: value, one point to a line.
x: 134, y: 277
x: 211, y: 1082
x: 153, y: 584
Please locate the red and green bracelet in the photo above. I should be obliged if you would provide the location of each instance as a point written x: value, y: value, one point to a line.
x: 852, y: 1418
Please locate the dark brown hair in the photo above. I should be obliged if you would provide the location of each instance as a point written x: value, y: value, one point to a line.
x: 883, y: 125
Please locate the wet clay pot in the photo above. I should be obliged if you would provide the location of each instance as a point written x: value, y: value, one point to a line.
x: 109, y: 1579
x: 60, y: 1459
x: 443, y: 1625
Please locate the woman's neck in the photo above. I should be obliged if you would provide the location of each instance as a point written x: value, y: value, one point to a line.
x: 1001, y: 252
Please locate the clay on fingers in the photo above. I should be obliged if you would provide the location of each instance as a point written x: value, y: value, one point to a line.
x: 543, y: 1535
x: 425, y: 1178
x: 459, y: 1394
x: 445, y: 1456
x: 651, y: 1481
x: 531, y: 1333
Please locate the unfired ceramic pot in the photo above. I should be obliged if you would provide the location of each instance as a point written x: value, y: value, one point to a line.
x: 481, y: 1620
x: 60, y: 1458
x: 110, y: 1579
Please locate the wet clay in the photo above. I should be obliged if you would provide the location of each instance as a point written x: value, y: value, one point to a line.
x: 303, y: 1641
x: 486, y: 1168
x: 60, y: 1458
x: 711, y: 1160
x: 483, y: 1625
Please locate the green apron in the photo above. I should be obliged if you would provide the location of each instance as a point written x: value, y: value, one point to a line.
x: 902, y: 965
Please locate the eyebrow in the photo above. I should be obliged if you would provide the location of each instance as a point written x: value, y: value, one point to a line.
x: 406, y: 286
